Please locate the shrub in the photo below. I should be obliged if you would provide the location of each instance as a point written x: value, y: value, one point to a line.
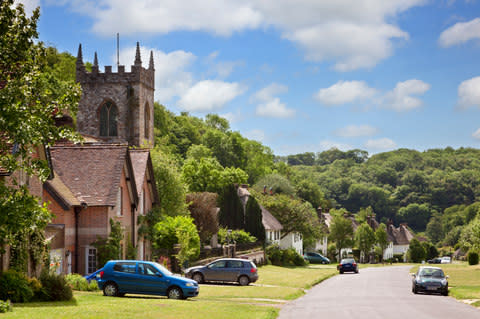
x: 274, y: 255
x: 55, y: 287
x: 238, y: 235
x: 77, y: 282
x: 14, y: 286
x: 93, y: 286
x: 472, y: 258
x: 5, y: 306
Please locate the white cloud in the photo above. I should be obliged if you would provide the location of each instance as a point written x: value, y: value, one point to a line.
x: 270, y: 105
x: 476, y: 134
x: 469, y: 93
x: 256, y: 135
x: 401, y: 97
x: 274, y: 108
x: 345, y: 92
x: 171, y: 75
x: 269, y: 92
x: 351, y: 33
x: 380, y: 144
x: 460, y: 32
x: 357, y: 131
x: 221, y: 68
x: 209, y: 95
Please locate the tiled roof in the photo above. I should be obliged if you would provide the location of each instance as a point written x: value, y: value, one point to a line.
x: 91, y: 171
x: 139, y: 162
x: 62, y: 194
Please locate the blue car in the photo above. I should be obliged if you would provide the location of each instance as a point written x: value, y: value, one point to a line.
x: 119, y: 277
x: 348, y: 264
x: 93, y: 275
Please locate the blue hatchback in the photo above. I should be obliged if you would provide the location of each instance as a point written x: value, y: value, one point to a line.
x: 119, y: 277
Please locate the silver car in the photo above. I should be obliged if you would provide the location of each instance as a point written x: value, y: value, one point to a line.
x: 225, y: 270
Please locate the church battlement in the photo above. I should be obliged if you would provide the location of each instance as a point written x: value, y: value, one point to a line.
x: 138, y: 72
x: 117, y: 106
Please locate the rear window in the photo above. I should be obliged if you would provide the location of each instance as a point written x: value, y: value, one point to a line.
x: 235, y: 264
x: 347, y: 261
x: 125, y: 267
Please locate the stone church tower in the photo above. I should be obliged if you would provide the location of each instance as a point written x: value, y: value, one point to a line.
x: 117, y: 107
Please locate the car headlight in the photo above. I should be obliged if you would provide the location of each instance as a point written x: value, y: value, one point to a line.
x: 190, y: 284
x: 444, y: 282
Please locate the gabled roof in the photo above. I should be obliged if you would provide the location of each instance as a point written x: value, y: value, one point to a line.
x: 61, y: 193
x: 143, y: 169
x: 92, y: 172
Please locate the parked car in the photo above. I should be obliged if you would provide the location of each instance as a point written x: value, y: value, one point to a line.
x: 430, y: 279
x: 437, y: 260
x: 316, y: 258
x: 119, y: 277
x: 347, y: 264
x: 225, y: 270
x: 446, y: 260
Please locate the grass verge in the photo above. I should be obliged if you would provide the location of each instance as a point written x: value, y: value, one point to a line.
x: 276, y: 286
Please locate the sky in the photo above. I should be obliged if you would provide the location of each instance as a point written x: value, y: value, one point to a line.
x: 297, y: 75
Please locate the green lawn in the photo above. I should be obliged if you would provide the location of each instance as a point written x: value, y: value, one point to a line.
x: 464, y: 280
x: 276, y: 286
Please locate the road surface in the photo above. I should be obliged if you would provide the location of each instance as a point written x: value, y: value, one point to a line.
x: 374, y: 293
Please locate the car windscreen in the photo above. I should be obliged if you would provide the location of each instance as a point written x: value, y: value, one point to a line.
x: 432, y: 272
x: 162, y: 269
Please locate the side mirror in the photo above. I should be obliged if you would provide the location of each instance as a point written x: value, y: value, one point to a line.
x: 447, y: 276
x: 158, y: 274
x: 413, y: 275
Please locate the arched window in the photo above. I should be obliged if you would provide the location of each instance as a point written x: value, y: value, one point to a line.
x: 146, y: 118
x: 108, y: 119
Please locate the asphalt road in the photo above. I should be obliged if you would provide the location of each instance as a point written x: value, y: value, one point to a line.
x: 374, y: 293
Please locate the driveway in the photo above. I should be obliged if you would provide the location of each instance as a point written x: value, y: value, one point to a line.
x: 377, y: 292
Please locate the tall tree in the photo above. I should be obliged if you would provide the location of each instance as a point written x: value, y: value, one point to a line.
x: 341, y: 233
x: 29, y: 103
x: 382, y: 238
x: 253, y: 219
x: 231, y: 213
x: 365, y: 239
x: 203, y: 209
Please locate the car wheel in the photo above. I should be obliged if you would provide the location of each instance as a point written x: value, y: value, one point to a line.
x: 175, y: 293
x: 341, y: 271
x: 198, y: 277
x: 414, y: 290
x: 445, y: 293
x: 110, y: 289
x: 243, y: 281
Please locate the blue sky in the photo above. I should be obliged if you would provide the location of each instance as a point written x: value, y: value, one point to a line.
x: 302, y: 75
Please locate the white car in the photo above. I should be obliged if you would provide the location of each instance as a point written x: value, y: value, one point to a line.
x: 446, y: 260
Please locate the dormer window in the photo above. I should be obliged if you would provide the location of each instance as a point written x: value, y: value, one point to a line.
x: 108, y: 119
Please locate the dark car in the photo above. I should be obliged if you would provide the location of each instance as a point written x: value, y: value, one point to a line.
x: 435, y: 261
x: 430, y: 279
x: 347, y: 264
x: 119, y: 277
x: 225, y: 270
x: 316, y: 258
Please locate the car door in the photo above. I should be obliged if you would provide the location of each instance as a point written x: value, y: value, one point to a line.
x: 234, y: 269
x: 216, y: 271
x: 125, y: 276
x: 151, y: 280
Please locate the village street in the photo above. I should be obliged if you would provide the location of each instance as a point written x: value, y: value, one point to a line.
x: 383, y: 293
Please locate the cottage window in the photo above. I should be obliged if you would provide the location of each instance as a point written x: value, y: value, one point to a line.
x: 108, y: 119
x: 91, y: 260
x: 142, y: 204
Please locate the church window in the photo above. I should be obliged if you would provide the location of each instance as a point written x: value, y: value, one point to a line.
x: 147, y: 121
x: 108, y: 119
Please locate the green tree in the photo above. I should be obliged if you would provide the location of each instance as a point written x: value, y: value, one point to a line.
x: 415, y: 215
x: 253, y: 219
x: 434, y: 229
x: 341, y: 233
x: 416, y: 251
x: 382, y: 238
x: 310, y: 192
x: 470, y: 235
x: 277, y: 183
x: 178, y: 230
x: 365, y: 239
x: 29, y: 103
x: 170, y: 187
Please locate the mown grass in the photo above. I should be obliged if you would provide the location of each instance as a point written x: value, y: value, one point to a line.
x: 464, y: 280
x: 276, y: 286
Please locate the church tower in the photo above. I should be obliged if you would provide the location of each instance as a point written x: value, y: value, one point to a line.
x: 117, y: 107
